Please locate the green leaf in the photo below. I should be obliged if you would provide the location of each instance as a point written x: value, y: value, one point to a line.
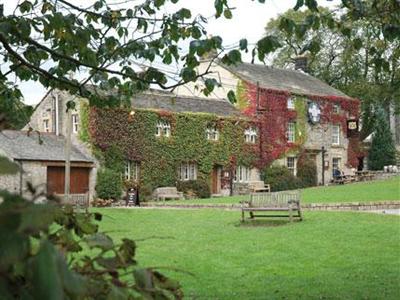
x: 243, y: 44
x: 312, y: 5
x: 357, y: 43
x: 287, y: 25
x: 38, y: 217
x: 13, y: 248
x: 25, y: 7
x: 228, y: 13
x: 266, y: 45
x: 7, y: 166
x: 74, y: 284
x: 210, y: 84
x: 46, y: 278
x: 84, y: 225
x: 299, y: 4
x: 188, y: 74
x: 235, y: 56
x: 99, y: 240
x: 231, y: 97
x: 143, y: 279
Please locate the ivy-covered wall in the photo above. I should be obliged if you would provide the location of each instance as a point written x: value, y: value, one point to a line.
x: 269, y: 107
x: 160, y: 157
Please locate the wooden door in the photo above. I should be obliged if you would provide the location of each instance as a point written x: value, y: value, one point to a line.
x: 79, y: 183
x: 215, y: 182
x: 55, y: 180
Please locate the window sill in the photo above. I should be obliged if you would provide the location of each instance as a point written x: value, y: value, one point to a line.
x: 337, y: 146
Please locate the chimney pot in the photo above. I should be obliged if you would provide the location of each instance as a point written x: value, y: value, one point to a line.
x: 300, y: 63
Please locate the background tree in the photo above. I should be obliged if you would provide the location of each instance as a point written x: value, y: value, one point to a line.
x: 47, y: 40
x: 14, y: 114
x: 382, y: 151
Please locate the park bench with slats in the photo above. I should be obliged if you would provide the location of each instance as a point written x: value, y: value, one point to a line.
x: 163, y: 193
x: 288, y: 201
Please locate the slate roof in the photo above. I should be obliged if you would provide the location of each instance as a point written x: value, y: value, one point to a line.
x: 294, y: 81
x: 20, y: 146
x: 159, y: 100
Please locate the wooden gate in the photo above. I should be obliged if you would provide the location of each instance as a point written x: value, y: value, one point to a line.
x: 79, y: 183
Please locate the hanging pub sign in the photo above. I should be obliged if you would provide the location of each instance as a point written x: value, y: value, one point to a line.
x: 352, y: 128
x: 314, y: 113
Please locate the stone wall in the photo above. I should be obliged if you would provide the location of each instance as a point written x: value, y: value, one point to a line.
x: 33, y: 172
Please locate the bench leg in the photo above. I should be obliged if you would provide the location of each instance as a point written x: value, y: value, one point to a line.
x: 242, y: 215
x: 290, y: 215
x: 300, y: 216
x: 251, y: 215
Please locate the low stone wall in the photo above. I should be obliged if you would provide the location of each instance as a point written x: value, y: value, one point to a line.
x: 353, y: 205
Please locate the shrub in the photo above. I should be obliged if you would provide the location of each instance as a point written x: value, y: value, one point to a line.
x: 382, y: 151
x: 280, y: 178
x: 198, y: 187
x: 307, y: 172
x: 109, y: 184
x: 101, y: 202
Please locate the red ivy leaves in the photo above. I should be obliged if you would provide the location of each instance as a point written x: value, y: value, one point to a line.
x: 270, y: 110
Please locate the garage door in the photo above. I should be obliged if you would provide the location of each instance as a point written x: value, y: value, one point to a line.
x: 79, y: 183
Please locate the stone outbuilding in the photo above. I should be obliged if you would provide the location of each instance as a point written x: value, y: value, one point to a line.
x: 41, y: 157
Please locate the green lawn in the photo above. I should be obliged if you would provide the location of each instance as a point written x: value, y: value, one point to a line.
x: 380, y: 190
x: 330, y: 255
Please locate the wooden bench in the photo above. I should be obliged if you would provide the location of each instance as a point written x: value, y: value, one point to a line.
x: 259, y: 187
x: 164, y: 193
x: 288, y: 201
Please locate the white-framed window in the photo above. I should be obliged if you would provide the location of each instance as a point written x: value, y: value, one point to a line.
x: 187, y: 171
x: 75, y: 123
x: 290, y: 103
x: 291, y: 132
x: 336, y: 163
x: 250, y: 135
x: 242, y: 174
x: 336, y: 108
x: 212, y: 133
x: 163, y: 129
x: 335, y: 134
x: 46, y: 125
x: 291, y: 164
x: 132, y: 169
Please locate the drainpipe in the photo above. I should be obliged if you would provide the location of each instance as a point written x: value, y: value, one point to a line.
x: 323, y: 151
x: 57, y: 115
x: 20, y: 178
x: 68, y: 156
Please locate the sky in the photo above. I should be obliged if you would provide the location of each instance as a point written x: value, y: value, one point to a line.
x: 249, y: 20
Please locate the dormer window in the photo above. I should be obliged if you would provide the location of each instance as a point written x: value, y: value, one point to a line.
x: 163, y: 129
x: 212, y: 133
x: 290, y: 103
x: 336, y: 108
x: 250, y: 135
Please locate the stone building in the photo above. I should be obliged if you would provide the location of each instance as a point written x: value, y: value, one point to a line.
x: 280, y: 117
x: 50, y: 117
x: 298, y: 115
x: 41, y: 159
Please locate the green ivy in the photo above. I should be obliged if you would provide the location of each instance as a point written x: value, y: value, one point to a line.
x: 301, y: 121
x: 84, y: 121
x: 241, y: 96
x: 160, y: 157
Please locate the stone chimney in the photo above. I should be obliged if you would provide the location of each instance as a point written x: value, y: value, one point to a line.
x: 300, y: 63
